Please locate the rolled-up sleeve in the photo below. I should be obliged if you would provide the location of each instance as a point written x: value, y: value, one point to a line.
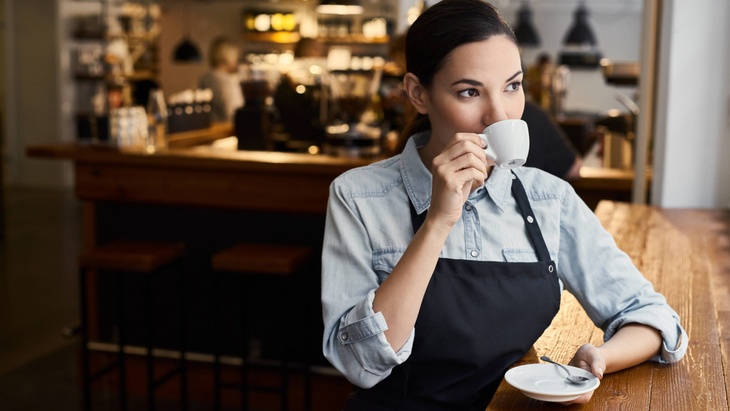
x: 353, y: 340
x: 608, y: 285
x: 675, y: 340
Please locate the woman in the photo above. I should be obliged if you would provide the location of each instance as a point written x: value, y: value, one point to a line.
x: 440, y: 271
x: 222, y: 78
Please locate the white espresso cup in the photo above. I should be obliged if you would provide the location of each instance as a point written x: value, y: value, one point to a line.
x: 508, y: 143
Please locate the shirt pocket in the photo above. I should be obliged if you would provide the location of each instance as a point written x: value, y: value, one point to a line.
x: 519, y: 255
x: 385, y: 259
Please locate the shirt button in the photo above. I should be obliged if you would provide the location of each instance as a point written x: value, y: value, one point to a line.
x: 474, y: 253
x: 530, y: 219
x: 468, y: 207
x: 344, y: 336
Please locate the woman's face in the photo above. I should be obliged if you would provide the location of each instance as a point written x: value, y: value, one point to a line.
x: 479, y: 84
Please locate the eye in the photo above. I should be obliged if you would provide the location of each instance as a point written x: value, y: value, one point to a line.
x: 470, y: 92
x: 514, y: 86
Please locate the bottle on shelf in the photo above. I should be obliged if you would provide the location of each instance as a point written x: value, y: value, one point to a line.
x: 156, y: 121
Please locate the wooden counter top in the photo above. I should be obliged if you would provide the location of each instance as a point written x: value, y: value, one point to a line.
x: 202, y: 136
x: 606, y: 178
x: 201, y: 157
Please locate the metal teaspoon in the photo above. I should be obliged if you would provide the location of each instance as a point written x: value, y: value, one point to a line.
x: 575, y: 379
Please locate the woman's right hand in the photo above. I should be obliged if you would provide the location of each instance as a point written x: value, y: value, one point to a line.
x: 458, y: 170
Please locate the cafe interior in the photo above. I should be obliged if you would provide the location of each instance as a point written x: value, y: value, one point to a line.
x: 162, y: 216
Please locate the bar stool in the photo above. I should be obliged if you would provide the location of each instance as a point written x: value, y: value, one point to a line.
x: 123, y: 258
x: 260, y: 260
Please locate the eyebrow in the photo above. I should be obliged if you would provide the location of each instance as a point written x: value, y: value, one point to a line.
x: 478, y: 83
x: 514, y: 75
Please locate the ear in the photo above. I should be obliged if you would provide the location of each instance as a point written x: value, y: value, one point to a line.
x: 416, y: 92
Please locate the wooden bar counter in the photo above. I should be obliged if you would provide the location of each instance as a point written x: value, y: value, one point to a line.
x: 254, y: 180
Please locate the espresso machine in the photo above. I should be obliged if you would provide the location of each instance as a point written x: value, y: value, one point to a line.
x: 351, y: 129
x: 618, y: 128
x: 252, y: 122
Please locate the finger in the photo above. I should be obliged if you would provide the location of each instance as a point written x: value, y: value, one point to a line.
x: 463, y: 162
x: 590, y: 359
x: 594, y: 359
x: 456, y: 180
x: 473, y: 137
x: 597, y: 369
x: 469, y: 175
x: 463, y: 143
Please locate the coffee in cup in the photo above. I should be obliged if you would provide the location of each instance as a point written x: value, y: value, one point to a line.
x: 508, y: 143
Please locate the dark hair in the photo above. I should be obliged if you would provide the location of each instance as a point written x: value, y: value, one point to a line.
x: 437, y: 32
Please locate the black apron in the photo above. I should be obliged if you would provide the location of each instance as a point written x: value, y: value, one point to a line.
x: 477, y: 318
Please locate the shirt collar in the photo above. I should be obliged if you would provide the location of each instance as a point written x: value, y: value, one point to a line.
x: 417, y: 178
x: 499, y: 186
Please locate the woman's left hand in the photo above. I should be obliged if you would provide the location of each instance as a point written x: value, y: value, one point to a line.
x: 589, y: 358
x: 632, y: 344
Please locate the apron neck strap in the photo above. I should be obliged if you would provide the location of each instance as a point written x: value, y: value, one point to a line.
x: 533, y: 229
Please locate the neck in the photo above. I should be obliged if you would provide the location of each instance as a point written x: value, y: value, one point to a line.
x: 429, y: 151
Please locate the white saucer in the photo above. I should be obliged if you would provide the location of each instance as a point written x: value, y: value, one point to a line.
x: 546, y: 382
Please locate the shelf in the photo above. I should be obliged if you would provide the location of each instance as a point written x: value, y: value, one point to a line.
x: 354, y: 39
x: 133, y: 37
x: 291, y: 38
x: 136, y: 76
x: 281, y: 37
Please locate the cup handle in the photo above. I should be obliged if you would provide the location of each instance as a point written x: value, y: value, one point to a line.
x: 488, y: 151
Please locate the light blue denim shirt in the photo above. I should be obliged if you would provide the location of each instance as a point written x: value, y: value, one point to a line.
x: 368, y: 228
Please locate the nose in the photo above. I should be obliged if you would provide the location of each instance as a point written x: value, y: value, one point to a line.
x: 494, y: 111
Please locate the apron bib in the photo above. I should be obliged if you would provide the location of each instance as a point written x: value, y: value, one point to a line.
x: 477, y: 318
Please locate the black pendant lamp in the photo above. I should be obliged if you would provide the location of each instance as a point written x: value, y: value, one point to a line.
x: 580, y: 42
x: 524, y: 31
x: 580, y: 33
x: 186, y: 51
x: 341, y: 7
